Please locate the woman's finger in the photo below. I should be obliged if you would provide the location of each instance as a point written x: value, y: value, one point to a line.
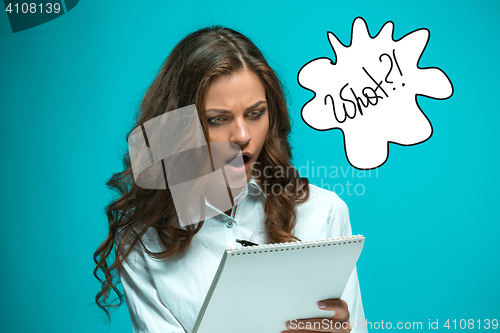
x: 337, y: 305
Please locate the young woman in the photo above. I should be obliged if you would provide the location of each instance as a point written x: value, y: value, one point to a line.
x: 166, y: 268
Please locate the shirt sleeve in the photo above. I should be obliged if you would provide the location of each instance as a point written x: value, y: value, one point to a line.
x: 147, y: 312
x: 340, y: 225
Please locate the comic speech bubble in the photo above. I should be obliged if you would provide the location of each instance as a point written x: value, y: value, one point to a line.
x: 369, y: 92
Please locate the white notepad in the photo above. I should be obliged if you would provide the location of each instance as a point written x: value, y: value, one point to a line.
x: 260, y: 288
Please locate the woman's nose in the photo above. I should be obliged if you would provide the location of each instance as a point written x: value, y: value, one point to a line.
x: 239, y: 133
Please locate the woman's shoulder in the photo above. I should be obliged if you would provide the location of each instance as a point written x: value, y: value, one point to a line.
x: 320, y: 198
x: 323, y: 215
x: 148, y: 239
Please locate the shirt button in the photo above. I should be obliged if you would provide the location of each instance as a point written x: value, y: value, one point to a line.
x: 229, y: 224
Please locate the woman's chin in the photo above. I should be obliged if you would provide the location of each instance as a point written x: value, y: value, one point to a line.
x: 238, y: 174
x: 236, y: 171
x: 236, y: 178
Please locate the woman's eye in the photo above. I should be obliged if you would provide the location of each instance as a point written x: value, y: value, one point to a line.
x: 255, y: 115
x: 215, y: 120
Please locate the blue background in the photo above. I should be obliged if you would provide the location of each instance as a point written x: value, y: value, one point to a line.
x: 69, y: 90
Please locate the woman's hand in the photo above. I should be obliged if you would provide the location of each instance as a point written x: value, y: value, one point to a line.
x: 339, y: 323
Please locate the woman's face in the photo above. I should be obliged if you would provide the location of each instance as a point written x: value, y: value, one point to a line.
x: 236, y: 111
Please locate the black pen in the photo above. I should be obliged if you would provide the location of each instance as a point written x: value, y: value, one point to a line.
x: 245, y: 243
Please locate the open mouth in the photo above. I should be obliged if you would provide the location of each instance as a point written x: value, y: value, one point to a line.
x: 237, y: 162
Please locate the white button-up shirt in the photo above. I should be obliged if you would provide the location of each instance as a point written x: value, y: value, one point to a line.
x: 166, y: 296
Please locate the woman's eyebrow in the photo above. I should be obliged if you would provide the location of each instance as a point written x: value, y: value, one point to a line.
x: 248, y: 109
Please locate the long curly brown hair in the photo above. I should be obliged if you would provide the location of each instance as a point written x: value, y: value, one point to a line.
x: 183, y: 80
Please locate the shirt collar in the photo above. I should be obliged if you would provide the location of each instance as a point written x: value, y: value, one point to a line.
x: 250, y: 187
x: 252, y: 182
